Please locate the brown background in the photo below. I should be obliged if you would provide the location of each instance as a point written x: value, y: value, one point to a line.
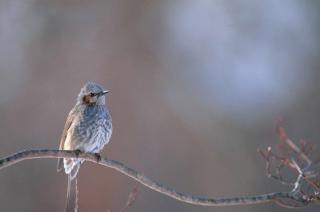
x: 196, y: 89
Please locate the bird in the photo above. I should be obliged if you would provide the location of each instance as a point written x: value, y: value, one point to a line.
x: 87, y: 129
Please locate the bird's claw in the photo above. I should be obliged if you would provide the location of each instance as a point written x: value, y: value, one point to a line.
x: 98, y: 157
x: 78, y: 152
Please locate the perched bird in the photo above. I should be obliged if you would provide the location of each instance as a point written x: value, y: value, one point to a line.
x: 88, y: 128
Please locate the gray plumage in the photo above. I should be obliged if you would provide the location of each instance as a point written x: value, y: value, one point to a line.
x: 88, y: 128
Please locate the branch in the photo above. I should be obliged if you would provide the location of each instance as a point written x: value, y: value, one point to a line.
x: 297, y: 158
x: 284, y: 138
x: 299, y: 201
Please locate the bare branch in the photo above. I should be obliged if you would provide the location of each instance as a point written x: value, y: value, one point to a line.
x: 297, y: 158
x: 284, y: 138
x: 280, y: 197
x: 131, y: 199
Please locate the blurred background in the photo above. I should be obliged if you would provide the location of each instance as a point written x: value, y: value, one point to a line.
x: 196, y: 89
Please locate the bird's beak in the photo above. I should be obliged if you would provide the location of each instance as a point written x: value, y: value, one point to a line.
x: 104, y: 92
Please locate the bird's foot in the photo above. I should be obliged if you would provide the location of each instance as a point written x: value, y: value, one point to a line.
x: 78, y: 152
x: 98, y: 157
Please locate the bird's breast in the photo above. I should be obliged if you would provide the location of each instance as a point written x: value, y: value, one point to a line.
x: 91, y: 130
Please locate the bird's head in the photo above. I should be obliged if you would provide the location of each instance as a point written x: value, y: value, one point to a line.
x: 92, y: 93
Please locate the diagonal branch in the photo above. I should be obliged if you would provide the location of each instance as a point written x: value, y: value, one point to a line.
x: 298, y: 201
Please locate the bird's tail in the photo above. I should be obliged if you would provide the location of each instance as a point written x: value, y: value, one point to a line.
x: 72, y: 194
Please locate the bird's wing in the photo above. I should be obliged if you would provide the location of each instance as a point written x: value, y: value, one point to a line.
x: 67, y: 125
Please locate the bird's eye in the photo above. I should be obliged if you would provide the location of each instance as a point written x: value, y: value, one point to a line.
x: 92, y: 94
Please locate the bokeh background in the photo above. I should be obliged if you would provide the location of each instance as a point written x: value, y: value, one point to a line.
x: 196, y: 89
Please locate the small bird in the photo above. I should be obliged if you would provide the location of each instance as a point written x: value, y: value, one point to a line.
x: 88, y: 128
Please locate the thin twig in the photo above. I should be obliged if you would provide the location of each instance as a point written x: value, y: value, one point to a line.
x: 120, y: 167
x: 289, y: 155
x: 283, y: 137
x: 131, y: 199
